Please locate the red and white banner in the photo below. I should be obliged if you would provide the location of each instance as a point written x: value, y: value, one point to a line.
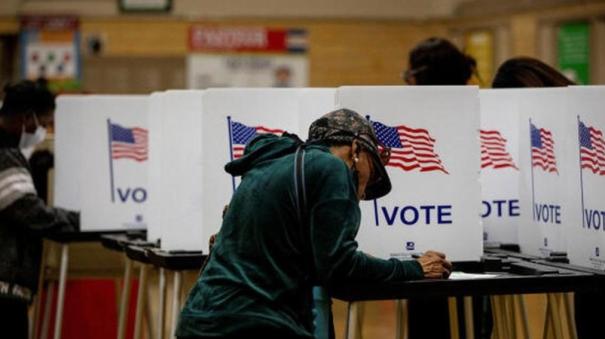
x: 247, y: 39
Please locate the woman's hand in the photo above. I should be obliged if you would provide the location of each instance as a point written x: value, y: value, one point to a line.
x: 434, y: 265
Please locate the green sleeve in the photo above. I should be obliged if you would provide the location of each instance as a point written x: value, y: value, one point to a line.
x: 334, y: 220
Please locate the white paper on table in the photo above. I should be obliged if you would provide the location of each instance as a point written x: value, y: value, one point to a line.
x: 471, y: 276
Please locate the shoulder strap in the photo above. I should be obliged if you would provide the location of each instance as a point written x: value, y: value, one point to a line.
x: 302, y: 210
x: 299, y: 185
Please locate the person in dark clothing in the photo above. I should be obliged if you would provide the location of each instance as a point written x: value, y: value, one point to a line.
x: 525, y: 72
x: 528, y: 72
x: 257, y: 278
x: 27, y: 110
x: 437, y: 61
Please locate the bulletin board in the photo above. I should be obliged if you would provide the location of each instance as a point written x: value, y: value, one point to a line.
x: 247, y: 57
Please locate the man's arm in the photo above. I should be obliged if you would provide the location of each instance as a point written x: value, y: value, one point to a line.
x: 335, y: 250
x: 20, y: 205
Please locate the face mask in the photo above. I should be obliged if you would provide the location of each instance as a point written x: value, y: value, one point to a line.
x: 28, y: 141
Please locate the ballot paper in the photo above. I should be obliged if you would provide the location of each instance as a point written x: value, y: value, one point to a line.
x: 471, y: 276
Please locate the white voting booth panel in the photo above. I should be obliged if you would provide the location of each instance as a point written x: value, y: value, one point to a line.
x: 176, y: 171
x: 231, y: 117
x: 196, y: 134
x: 549, y: 190
x: 434, y: 169
x: 155, y: 187
x: 499, y: 139
x: 313, y: 103
x: 586, y: 236
x: 101, y: 160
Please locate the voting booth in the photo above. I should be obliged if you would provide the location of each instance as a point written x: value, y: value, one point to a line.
x: 175, y: 176
x: 198, y: 133
x: 101, y: 160
x: 434, y: 169
x: 499, y: 139
x: 586, y: 236
x: 549, y: 188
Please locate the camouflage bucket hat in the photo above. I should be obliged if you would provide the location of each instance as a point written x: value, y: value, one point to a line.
x: 344, y: 126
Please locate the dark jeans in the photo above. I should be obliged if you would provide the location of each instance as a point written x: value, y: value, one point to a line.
x: 589, y: 312
x: 258, y: 333
x: 429, y: 317
x: 13, y: 318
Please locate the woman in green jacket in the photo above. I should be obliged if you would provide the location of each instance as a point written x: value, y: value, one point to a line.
x: 257, y: 281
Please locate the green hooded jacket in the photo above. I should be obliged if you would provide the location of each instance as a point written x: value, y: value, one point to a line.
x: 258, y: 273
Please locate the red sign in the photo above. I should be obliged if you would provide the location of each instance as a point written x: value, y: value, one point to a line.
x: 50, y: 23
x: 246, y: 39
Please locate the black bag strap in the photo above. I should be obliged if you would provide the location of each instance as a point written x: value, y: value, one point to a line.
x: 302, y: 210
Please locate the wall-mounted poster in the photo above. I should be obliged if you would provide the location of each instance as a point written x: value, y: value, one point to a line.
x: 480, y: 45
x: 574, y: 51
x: 49, y: 50
x: 247, y: 57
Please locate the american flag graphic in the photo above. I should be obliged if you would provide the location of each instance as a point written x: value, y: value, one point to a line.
x: 128, y: 143
x: 493, y: 150
x: 411, y: 148
x: 241, y: 135
x: 592, y: 149
x: 542, y: 149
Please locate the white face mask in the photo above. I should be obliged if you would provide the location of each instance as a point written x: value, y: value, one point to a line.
x: 28, y: 141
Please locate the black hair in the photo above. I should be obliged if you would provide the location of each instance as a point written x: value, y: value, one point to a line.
x: 27, y: 96
x: 528, y: 72
x: 437, y: 61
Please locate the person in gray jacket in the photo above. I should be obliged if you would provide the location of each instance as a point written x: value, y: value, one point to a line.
x: 26, y: 112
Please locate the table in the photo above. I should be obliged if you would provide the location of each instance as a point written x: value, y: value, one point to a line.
x: 65, y: 239
x: 119, y: 243
x: 516, y: 276
x: 176, y: 261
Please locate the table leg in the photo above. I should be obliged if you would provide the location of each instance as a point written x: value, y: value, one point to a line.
x: 176, y: 305
x: 548, y: 327
x: 468, y: 318
x: 499, y: 323
x: 35, y: 323
x: 352, y: 321
x: 361, y: 309
x: 401, y: 322
x: 48, y: 304
x: 512, y: 313
x: 124, y: 298
x: 553, y: 307
x: 569, y: 313
x: 506, y: 316
x: 61, y: 292
x: 140, y: 301
x: 520, y: 303
x: 453, y: 315
x: 149, y: 315
x: 161, y: 304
